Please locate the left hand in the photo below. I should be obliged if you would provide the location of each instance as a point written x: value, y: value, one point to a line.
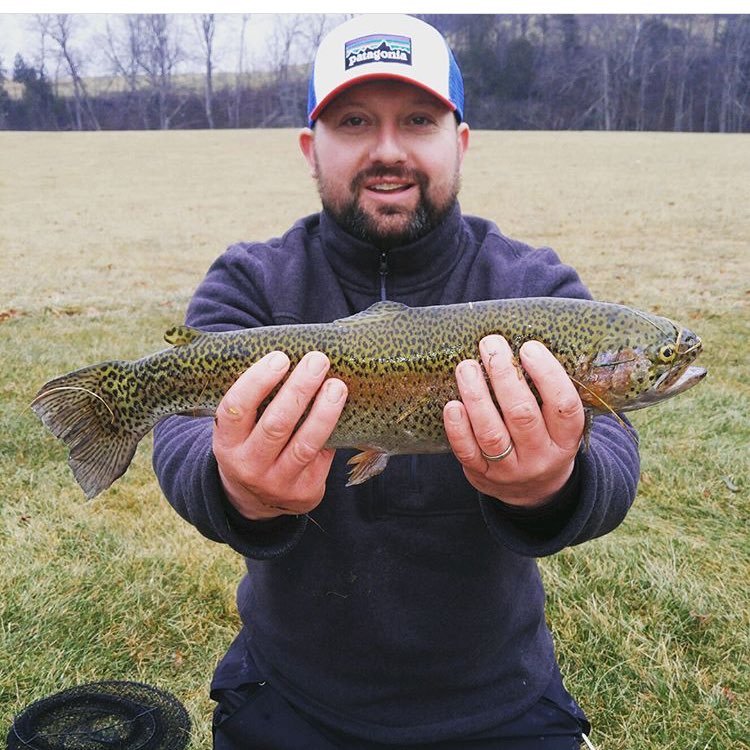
x: 545, y: 439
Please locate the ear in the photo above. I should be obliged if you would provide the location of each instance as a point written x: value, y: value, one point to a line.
x: 462, y: 136
x: 307, y: 146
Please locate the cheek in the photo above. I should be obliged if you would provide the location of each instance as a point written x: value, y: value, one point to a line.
x: 335, y: 163
x: 441, y: 165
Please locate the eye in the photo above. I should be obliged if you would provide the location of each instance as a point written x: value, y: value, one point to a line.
x: 421, y: 121
x: 353, y: 121
x: 666, y: 353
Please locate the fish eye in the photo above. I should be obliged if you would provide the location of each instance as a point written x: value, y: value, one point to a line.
x: 666, y: 353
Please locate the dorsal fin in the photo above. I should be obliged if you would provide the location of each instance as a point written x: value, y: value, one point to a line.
x: 181, y: 335
x: 380, y: 311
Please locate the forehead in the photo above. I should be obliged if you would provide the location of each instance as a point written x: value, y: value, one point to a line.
x: 378, y: 93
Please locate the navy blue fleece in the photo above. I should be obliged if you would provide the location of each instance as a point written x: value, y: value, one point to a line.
x: 413, y: 609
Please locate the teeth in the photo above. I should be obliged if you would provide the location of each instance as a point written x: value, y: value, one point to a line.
x: 387, y: 186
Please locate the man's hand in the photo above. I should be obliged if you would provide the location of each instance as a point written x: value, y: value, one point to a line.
x: 544, y: 439
x: 269, y: 465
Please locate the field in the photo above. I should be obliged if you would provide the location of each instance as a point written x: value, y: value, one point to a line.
x: 103, y: 237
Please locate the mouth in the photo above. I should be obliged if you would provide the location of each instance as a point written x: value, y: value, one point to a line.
x: 388, y: 187
x: 670, y: 384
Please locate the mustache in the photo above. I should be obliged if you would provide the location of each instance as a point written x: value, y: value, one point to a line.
x: 400, y: 173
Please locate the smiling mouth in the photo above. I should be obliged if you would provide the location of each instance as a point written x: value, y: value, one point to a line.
x: 389, y: 187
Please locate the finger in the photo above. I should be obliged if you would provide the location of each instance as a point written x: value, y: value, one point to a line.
x: 307, y: 447
x: 487, y: 425
x: 460, y: 435
x: 280, y: 418
x: 520, y: 411
x: 236, y: 413
x: 561, y: 404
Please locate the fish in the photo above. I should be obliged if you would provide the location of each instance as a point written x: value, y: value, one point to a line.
x: 398, y: 363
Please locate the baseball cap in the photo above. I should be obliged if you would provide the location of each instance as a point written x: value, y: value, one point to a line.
x: 382, y: 45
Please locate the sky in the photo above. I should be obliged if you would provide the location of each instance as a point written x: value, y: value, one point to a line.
x: 17, y: 23
x: 18, y: 33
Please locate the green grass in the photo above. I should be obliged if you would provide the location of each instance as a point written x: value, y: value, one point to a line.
x: 103, y: 236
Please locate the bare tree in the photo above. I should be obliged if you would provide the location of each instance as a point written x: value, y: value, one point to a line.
x: 735, y: 74
x: 160, y: 51
x: 123, y: 49
x: 613, y: 72
x: 235, y: 104
x: 288, y: 29
x: 59, y: 27
x: 315, y: 28
x: 205, y: 26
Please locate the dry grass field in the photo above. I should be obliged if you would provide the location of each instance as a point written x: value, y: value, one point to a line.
x: 103, y: 237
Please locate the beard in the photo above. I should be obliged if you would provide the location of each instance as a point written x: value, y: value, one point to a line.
x: 389, y: 226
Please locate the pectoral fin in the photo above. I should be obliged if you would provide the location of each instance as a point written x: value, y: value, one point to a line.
x: 367, y: 464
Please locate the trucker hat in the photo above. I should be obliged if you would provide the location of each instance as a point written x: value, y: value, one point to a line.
x: 382, y: 45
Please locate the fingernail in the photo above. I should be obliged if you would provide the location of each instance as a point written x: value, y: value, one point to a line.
x: 277, y: 361
x: 316, y: 363
x: 467, y: 371
x: 493, y: 344
x: 533, y: 349
x: 334, y: 391
x: 453, y: 413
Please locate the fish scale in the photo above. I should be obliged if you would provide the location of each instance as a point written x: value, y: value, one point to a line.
x: 398, y: 364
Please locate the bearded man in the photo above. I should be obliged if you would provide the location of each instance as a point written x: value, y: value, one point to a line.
x: 411, y: 612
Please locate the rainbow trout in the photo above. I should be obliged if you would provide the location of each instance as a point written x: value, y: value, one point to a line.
x: 398, y: 363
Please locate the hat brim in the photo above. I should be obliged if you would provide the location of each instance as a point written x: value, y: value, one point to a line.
x: 328, y: 98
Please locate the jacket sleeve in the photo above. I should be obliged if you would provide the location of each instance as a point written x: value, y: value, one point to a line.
x: 228, y: 298
x: 594, y: 502
x: 603, y: 486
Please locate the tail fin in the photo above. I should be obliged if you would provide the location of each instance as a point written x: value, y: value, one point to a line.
x: 102, y: 433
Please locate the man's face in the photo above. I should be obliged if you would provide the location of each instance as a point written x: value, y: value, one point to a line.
x: 387, y: 159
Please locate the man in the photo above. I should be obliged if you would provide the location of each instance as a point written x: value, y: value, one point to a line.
x: 411, y: 611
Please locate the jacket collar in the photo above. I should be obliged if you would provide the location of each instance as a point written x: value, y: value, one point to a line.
x: 409, y: 267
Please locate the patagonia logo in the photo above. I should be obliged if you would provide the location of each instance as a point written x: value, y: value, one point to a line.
x: 377, y: 48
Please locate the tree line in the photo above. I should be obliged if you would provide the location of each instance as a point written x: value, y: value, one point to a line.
x: 536, y: 71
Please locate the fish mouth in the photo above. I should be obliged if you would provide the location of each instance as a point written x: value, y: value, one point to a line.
x: 673, y: 383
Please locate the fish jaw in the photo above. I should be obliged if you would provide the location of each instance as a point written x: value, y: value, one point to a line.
x: 671, y: 384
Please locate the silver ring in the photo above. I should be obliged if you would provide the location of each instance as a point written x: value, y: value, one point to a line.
x: 499, y: 456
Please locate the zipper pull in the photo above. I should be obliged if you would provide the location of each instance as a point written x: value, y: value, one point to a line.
x: 383, y: 274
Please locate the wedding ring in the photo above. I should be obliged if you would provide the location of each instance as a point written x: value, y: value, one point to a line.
x: 499, y: 456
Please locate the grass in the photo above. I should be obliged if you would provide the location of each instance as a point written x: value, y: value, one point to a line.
x: 104, y: 236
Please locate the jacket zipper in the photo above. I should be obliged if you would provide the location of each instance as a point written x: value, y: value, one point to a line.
x: 383, y: 275
x: 413, y: 468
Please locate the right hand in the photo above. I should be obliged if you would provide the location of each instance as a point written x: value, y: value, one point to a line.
x: 268, y: 465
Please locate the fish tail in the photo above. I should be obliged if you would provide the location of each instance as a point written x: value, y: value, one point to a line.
x: 91, y: 411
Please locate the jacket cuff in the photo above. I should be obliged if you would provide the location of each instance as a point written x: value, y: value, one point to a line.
x: 533, y: 532
x: 260, y: 540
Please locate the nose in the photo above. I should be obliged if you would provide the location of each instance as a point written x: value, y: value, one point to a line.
x: 388, y: 147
